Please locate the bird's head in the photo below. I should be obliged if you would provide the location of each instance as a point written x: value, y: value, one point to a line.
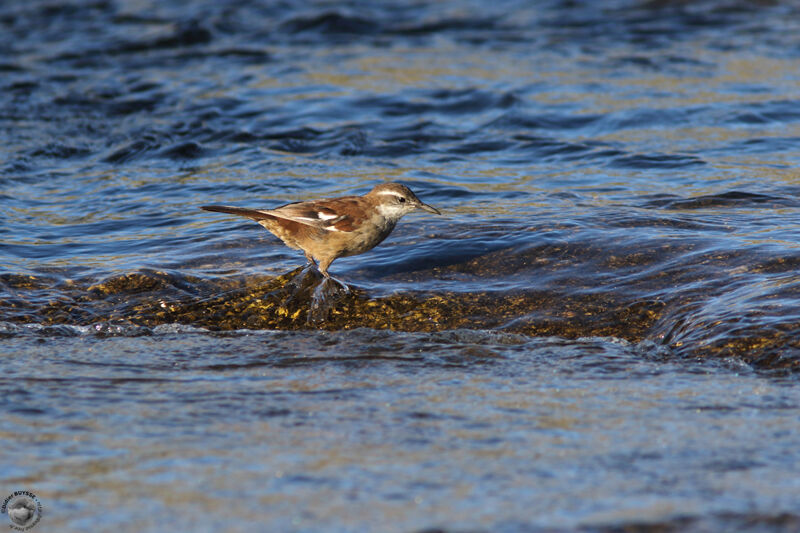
x: 394, y: 200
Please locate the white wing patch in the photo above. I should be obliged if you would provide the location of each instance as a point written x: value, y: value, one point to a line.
x: 324, y: 220
x: 321, y: 217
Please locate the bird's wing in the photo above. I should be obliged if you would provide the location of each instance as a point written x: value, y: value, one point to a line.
x: 353, y: 212
x: 345, y: 214
x: 315, y: 214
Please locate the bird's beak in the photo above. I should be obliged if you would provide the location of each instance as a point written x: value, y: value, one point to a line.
x: 429, y: 209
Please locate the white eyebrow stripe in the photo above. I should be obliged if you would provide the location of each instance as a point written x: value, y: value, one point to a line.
x: 391, y: 193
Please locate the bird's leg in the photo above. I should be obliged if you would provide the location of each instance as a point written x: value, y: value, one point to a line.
x: 308, y: 266
x: 323, y: 269
x: 300, y: 282
x: 326, y: 295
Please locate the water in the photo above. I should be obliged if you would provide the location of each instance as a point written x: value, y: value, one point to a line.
x: 600, y: 333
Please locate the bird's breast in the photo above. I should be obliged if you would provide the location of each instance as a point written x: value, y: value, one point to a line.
x: 368, y: 236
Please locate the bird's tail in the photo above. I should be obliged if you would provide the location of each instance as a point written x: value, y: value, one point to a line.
x: 255, y: 214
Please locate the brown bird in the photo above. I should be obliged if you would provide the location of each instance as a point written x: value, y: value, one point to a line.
x: 330, y: 228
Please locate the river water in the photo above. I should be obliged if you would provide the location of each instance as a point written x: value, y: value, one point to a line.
x: 601, y: 333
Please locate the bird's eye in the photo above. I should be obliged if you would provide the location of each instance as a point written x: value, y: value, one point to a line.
x: 401, y: 199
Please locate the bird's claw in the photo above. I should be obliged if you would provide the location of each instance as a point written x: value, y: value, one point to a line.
x: 326, y: 295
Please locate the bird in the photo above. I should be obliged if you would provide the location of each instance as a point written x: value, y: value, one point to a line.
x: 330, y: 228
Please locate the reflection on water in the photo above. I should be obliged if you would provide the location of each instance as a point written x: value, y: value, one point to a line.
x: 620, y: 235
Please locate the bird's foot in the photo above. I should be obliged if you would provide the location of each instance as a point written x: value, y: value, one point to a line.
x: 337, y: 285
x: 303, y: 277
x: 300, y: 284
x: 320, y: 292
x: 326, y: 295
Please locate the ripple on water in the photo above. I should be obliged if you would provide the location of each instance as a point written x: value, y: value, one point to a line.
x: 453, y: 417
x: 599, y: 335
x: 683, y: 291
